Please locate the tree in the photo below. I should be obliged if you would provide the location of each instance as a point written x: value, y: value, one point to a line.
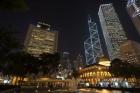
x: 9, y: 42
x: 123, y: 68
x: 13, y: 5
x: 75, y: 74
x: 49, y: 62
x: 19, y: 64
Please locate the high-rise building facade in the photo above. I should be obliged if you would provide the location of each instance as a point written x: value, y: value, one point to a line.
x: 112, y: 29
x: 130, y: 52
x: 134, y: 12
x: 66, y: 62
x: 40, y: 39
x: 92, y: 45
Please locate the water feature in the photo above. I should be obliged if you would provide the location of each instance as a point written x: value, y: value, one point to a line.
x: 70, y: 87
x: 66, y: 91
x: 105, y: 91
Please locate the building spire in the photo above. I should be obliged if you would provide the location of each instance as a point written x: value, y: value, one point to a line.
x: 136, y: 8
x: 130, y: 2
x: 89, y: 18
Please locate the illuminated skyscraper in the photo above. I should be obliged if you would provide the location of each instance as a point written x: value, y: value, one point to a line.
x: 92, y: 44
x: 134, y: 12
x: 40, y: 39
x: 66, y: 63
x: 130, y: 52
x: 113, y: 32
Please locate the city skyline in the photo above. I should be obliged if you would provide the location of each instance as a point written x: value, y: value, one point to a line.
x: 69, y: 18
x: 70, y: 46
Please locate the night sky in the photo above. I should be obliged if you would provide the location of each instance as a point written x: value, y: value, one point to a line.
x: 69, y: 17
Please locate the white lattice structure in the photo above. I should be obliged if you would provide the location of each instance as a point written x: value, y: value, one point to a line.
x: 136, y: 8
x: 92, y: 44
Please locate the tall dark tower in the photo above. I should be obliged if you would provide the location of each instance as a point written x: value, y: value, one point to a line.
x: 66, y: 61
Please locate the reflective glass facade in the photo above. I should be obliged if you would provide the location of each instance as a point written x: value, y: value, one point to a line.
x: 113, y: 32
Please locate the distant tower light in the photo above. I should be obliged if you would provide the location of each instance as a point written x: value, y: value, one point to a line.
x: 38, y: 26
x: 43, y: 25
x: 80, y: 68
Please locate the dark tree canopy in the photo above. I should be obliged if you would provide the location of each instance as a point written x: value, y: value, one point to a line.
x: 49, y: 62
x: 123, y: 68
x: 13, y: 5
x: 8, y: 39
